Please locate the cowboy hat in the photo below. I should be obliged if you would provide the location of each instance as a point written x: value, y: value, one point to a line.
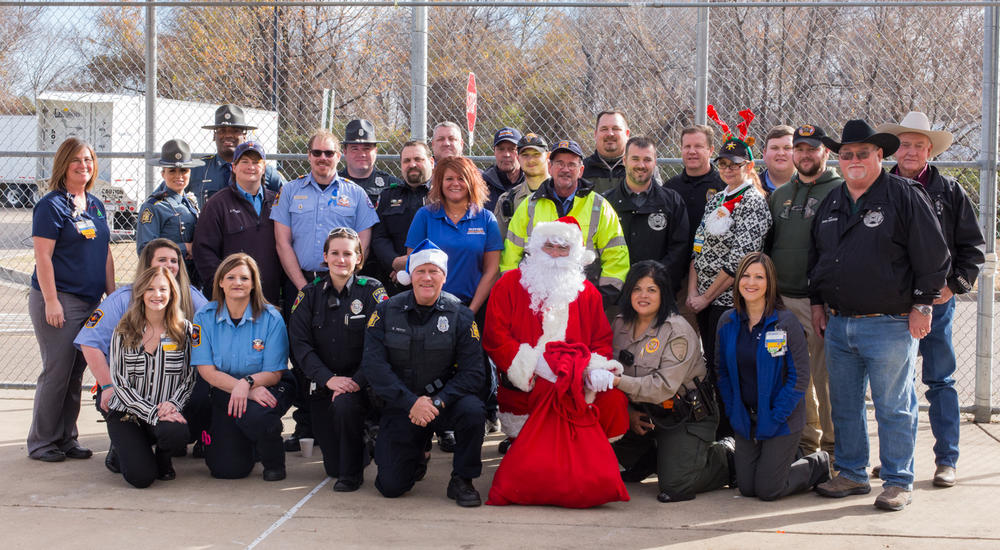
x: 175, y: 153
x: 917, y: 123
x: 229, y: 116
x: 858, y: 131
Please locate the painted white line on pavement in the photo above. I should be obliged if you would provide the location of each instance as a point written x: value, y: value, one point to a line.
x: 288, y: 515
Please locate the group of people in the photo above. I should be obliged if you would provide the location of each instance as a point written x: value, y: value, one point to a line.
x: 716, y: 328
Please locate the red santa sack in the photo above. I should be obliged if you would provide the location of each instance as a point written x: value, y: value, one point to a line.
x: 562, y: 456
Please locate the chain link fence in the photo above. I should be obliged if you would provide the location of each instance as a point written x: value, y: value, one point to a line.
x: 81, y: 70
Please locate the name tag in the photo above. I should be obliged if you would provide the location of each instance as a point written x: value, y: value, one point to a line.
x: 776, y: 342
x: 167, y: 344
x: 476, y: 231
x: 86, y: 228
x: 699, y: 241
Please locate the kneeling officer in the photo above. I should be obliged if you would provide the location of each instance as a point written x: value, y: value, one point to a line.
x: 423, y: 359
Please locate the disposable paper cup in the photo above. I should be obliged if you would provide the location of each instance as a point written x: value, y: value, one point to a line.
x: 306, y: 444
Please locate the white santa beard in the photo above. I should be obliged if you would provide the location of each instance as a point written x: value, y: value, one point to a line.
x: 552, y: 283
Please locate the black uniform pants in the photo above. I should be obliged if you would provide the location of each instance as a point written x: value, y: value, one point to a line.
x: 229, y: 451
x: 708, y: 326
x: 134, y: 440
x: 339, y: 429
x: 767, y: 469
x: 198, y: 410
x: 401, y: 443
x: 301, y: 415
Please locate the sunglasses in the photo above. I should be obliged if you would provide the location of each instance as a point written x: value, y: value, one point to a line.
x: 343, y: 232
x: 323, y: 153
x: 850, y: 155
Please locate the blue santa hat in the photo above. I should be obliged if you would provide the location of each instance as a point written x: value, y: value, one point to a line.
x: 425, y: 253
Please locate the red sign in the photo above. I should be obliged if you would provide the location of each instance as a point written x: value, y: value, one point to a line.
x: 470, y: 102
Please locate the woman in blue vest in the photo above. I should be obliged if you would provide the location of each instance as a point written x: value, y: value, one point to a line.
x: 763, y: 370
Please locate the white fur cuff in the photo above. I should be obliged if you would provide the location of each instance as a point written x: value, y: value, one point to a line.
x: 600, y: 362
x: 522, y: 368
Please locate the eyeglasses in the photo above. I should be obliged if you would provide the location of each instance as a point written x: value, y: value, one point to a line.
x: 861, y: 155
x: 571, y: 165
x: 343, y: 232
x: 725, y: 165
x: 323, y: 153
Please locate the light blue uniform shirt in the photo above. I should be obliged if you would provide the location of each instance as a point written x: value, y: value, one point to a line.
x: 96, y: 332
x: 256, y: 200
x: 311, y: 212
x: 252, y: 346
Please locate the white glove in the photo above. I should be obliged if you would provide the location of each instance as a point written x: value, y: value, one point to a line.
x: 600, y: 380
x: 543, y: 370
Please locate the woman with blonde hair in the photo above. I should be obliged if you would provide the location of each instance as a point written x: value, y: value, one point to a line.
x: 73, y: 269
x: 153, y: 377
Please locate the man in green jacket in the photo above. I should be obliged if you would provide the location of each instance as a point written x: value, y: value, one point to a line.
x: 793, y: 208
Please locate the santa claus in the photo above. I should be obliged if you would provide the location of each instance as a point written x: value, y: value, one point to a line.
x: 548, y: 299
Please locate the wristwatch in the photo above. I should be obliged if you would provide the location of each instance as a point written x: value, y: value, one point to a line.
x: 438, y: 404
x: 249, y: 380
x: 923, y: 309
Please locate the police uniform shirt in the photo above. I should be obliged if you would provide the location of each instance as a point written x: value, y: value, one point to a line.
x: 375, y: 183
x: 879, y: 255
x: 215, y: 175
x: 80, y: 253
x: 396, y: 208
x: 665, y: 358
x: 311, y: 212
x: 97, y: 331
x: 427, y: 338
x: 239, y: 350
x: 326, y: 329
x: 167, y: 214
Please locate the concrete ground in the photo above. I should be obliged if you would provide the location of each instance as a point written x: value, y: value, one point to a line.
x: 79, y: 504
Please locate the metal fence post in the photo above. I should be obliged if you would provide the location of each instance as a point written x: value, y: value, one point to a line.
x: 150, y: 97
x: 701, y: 68
x: 987, y: 214
x: 418, y: 73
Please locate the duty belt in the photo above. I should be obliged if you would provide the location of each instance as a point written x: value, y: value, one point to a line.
x: 840, y: 313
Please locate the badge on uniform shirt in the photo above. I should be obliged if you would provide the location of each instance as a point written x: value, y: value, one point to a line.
x: 379, y: 181
x: 874, y: 218
x: 258, y: 344
x: 442, y: 324
x: 87, y: 228
x: 343, y: 201
x: 776, y: 342
x: 395, y: 202
x: 356, y: 307
x: 657, y: 221
x: 679, y: 348
x: 652, y: 345
x: 195, y: 335
x: 147, y: 216
x: 94, y: 318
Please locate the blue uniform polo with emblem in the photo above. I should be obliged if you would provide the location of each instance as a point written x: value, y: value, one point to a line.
x: 169, y: 215
x: 465, y: 243
x: 207, y: 180
x: 81, y: 243
x: 239, y: 350
x: 311, y: 212
x: 97, y: 331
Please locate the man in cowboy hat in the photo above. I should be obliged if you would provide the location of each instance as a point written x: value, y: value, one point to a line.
x: 360, y: 150
x: 229, y: 130
x: 918, y: 144
x: 877, y: 261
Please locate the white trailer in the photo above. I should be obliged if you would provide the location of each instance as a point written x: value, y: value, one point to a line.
x: 18, y: 174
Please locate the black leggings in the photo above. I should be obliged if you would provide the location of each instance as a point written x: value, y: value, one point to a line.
x: 134, y: 440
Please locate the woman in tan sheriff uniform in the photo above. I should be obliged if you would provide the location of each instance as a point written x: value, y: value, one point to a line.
x: 672, y: 412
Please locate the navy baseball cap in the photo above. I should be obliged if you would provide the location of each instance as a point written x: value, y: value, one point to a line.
x: 246, y: 147
x: 567, y: 145
x: 506, y: 134
x: 809, y: 134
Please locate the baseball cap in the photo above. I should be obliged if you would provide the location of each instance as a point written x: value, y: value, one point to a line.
x: 532, y: 141
x: 247, y: 146
x: 569, y: 146
x: 506, y: 134
x: 809, y: 134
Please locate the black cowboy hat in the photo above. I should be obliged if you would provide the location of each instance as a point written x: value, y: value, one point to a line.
x: 858, y: 131
x: 176, y: 154
x: 229, y: 116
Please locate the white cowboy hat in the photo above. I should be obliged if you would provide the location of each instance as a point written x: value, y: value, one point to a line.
x: 917, y: 122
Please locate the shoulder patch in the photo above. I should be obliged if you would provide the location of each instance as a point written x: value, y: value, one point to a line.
x: 298, y: 300
x: 195, y: 335
x: 373, y: 319
x: 94, y: 318
x: 679, y: 348
x: 474, y: 330
x: 147, y: 216
x: 380, y: 295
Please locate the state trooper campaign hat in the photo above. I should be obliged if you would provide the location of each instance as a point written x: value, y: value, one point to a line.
x: 569, y: 146
x: 532, y: 141
x: 360, y: 130
x: 512, y: 135
x: 229, y: 116
x: 175, y: 154
x: 858, y: 131
x: 246, y: 147
x: 808, y: 134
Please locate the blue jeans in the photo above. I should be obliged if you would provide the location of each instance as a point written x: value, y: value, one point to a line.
x: 939, y: 368
x: 880, y: 350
